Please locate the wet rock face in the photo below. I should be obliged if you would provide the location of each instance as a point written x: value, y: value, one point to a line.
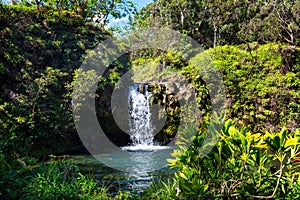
x: 167, y: 109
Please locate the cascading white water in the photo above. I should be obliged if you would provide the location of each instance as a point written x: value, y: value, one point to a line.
x: 141, y: 129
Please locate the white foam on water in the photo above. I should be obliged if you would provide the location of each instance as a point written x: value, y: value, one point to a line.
x: 141, y: 147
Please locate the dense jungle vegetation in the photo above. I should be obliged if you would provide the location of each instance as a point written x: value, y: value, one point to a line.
x: 255, y: 45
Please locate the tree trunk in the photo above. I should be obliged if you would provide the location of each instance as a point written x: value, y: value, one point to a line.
x: 215, y: 34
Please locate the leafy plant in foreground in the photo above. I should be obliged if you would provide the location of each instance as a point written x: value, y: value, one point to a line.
x: 241, y: 165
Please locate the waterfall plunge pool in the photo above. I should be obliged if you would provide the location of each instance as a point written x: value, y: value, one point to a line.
x: 140, y: 169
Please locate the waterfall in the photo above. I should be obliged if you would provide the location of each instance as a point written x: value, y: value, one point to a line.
x: 141, y: 129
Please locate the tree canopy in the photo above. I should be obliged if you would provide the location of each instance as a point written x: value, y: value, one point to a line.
x: 97, y: 11
x: 221, y: 22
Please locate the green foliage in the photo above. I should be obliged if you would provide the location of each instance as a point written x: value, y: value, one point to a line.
x: 214, y: 23
x: 62, y: 181
x: 261, y: 81
x: 96, y: 11
x: 262, y: 89
x: 12, y: 178
x: 82, y: 83
x: 241, y: 165
x: 32, y: 111
x: 162, y: 190
x: 53, y: 180
x: 40, y: 49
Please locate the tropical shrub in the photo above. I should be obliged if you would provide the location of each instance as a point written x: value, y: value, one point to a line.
x: 161, y: 190
x: 240, y: 165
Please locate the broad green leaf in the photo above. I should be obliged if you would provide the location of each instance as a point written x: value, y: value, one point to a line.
x: 291, y: 142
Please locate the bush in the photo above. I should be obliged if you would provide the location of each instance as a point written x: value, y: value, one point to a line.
x: 241, y: 165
